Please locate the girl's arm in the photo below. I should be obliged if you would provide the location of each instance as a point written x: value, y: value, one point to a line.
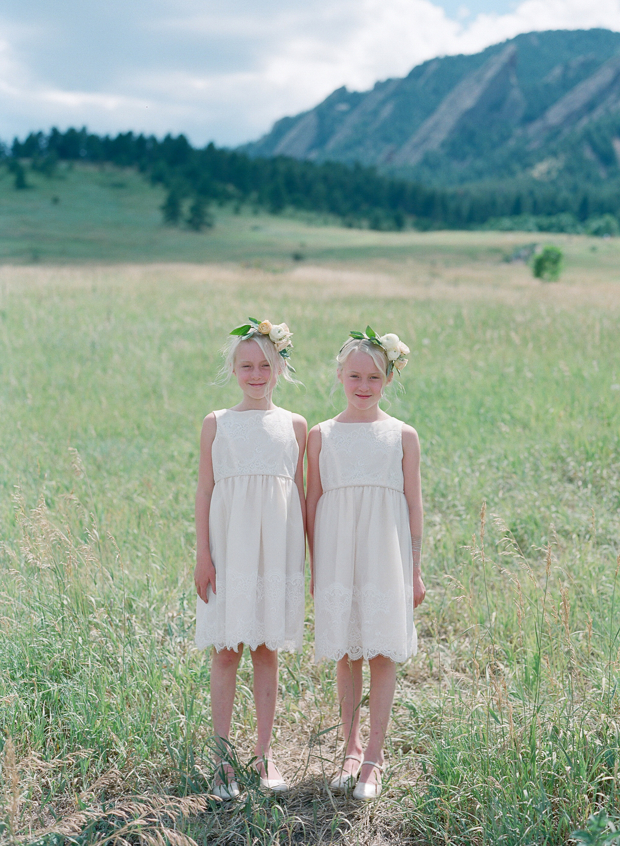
x: 204, y: 573
x: 301, y: 433
x: 413, y: 495
x: 315, y: 491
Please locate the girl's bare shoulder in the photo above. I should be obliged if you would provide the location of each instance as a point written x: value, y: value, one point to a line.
x: 314, y: 438
x: 411, y: 441
x: 209, y: 425
x: 299, y: 422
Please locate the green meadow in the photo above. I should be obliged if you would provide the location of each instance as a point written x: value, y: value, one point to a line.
x: 506, y: 726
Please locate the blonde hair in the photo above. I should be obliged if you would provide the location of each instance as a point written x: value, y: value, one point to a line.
x: 276, y: 361
x: 377, y: 353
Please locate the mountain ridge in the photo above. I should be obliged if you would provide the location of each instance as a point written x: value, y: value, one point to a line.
x: 503, y: 112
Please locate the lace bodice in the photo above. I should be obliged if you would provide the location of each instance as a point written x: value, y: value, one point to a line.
x: 361, y: 454
x: 254, y: 443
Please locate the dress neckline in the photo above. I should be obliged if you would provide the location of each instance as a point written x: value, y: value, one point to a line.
x: 362, y: 422
x: 254, y: 410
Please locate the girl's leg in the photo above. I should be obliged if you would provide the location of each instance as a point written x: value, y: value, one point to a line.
x: 224, y: 666
x: 349, y: 680
x: 265, y: 663
x: 382, y: 687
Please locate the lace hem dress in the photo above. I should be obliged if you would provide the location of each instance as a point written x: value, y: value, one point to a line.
x: 256, y: 535
x: 363, y: 565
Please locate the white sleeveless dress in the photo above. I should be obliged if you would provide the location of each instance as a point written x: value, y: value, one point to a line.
x: 256, y: 535
x: 363, y: 565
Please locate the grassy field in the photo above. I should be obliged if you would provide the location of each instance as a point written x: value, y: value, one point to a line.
x: 506, y: 725
x: 100, y: 214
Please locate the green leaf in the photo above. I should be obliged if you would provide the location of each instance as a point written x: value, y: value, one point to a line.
x: 242, y: 330
x: 359, y: 336
x: 254, y: 321
x: 494, y: 715
x: 371, y: 332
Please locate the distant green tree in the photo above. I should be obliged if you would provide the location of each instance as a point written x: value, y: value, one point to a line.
x: 20, y: 176
x: 605, y: 225
x: 199, y: 217
x: 171, y: 208
x: 277, y: 196
x: 548, y: 264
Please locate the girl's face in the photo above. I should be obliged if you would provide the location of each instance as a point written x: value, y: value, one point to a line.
x: 253, y: 371
x: 362, y: 381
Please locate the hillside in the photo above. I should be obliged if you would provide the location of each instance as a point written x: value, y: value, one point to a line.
x: 543, y: 105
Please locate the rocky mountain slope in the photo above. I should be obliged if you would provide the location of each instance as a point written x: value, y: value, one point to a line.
x: 543, y: 105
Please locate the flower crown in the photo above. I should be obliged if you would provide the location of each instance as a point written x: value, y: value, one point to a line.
x: 278, y: 333
x: 395, y: 350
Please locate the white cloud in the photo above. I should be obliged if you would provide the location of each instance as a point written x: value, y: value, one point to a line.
x: 226, y: 72
x: 540, y: 15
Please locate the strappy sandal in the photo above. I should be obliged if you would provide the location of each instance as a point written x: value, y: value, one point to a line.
x: 225, y: 789
x: 345, y: 781
x: 365, y: 791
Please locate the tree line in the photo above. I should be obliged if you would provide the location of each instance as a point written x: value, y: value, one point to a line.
x: 356, y: 195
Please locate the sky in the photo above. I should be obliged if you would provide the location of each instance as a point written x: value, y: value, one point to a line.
x: 225, y: 71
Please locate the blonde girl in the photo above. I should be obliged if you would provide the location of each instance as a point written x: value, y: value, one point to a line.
x: 250, y: 544
x: 364, y: 508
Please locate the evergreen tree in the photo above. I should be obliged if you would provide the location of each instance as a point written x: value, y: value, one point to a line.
x: 17, y: 169
x: 171, y: 208
x: 199, y: 217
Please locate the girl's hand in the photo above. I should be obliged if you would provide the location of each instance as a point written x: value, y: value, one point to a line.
x: 204, y: 575
x: 419, y: 591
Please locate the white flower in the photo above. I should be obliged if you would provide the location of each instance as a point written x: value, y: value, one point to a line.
x: 400, y: 363
x: 283, y: 344
x: 265, y: 327
x: 403, y: 349
x: 389, y: 342
x: 392, y: 355
x: 279, y: 332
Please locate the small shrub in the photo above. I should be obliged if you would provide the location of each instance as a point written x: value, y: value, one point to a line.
x: 548, y: 264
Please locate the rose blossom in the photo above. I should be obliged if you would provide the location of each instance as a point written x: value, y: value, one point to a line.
x: 279, y: 332
x: 265, y: 327
x: 389, y: 342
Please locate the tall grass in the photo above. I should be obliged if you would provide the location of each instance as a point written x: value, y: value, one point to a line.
x: 505, y: 726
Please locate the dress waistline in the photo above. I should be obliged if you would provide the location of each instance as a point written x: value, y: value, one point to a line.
x: 364, y: 485
x: 244, y: 475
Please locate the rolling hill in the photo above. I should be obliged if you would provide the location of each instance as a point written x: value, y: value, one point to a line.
x: 545, y: 106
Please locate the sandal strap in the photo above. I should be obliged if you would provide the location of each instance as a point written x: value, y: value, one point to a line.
x: 372, y: 764
x: 352, y: 758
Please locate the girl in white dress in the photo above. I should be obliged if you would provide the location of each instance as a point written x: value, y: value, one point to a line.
x: 364, y: 508
x: 250, y: 550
